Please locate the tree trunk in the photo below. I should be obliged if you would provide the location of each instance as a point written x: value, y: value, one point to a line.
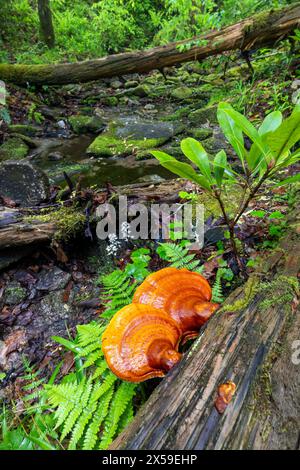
x: 252, y: 342
x: 260, y: 30
x: 46, y: 24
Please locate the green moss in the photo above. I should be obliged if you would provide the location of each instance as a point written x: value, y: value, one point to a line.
x: 250, y: 289
x: 201, y: 133
x: 201, y: 116
x: 24, y: 129
x: 81, y: 123
x: 211, y: 205
x: 13, y: 149
x: 181, y: 93
x: 14, y: 294
x: 108, y: 146
x: 110, y: 101
x: 68, y: 220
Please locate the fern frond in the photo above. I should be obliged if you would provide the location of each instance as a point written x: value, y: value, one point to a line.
x: 178, y: 256
x: 118, y: 406
x: 91, y: 435
x: 118, y: 289
x: 217, y: 291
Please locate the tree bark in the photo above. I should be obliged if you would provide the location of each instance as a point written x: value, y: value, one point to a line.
x: 250, y: 343
x: 259, y: 30
x: 45, y: 16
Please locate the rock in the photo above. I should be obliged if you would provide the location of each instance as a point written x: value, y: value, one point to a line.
x: 61, y: 124
x: 50, y: 314
x: 110, y: 100
x: 115, y: 84
x: 24, y: 129
x: 81, y: 124
x: 129, y: 134
x: 149, y: 107
x: 55, y: 156
x: 201, y: 133
x: 295, y: 84
x: 14, y: 293
x: 141, y: 90
x: 131, y: 84
x: 24, y: 183
x: 13, y: 149
x: 181, y: 93
x: 52, y: 279
x: 204, y: 115
x: 296, y: 97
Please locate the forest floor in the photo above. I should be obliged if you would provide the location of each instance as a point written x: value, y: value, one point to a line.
x: 102, y: 134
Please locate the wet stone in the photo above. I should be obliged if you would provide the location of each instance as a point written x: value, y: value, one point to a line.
x: 24, y: 183
x: 53, y: 279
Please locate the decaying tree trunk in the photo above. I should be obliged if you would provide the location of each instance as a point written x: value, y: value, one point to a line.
x: 251, y: 342
x: 259, y: 30
x: 45, y: 16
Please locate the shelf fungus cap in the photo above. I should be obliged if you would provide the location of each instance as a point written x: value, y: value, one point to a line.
x: 183, y: 294
x: 141, y: 342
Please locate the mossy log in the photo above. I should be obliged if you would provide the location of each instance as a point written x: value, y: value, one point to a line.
x: 259, y: 30
x: 249, y: 342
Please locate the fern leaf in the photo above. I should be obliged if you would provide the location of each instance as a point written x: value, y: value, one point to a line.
x: 91, y: 435
x: 118, y: 406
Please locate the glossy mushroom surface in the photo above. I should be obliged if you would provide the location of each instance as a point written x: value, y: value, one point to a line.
x: 141, y: 342
x: 183, y: 294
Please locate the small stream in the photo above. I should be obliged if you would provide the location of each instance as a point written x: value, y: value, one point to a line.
x: 55, y: 156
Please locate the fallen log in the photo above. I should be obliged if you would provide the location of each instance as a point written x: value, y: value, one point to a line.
x: 17, y: 229
x: 251, y: 342
x: 259, y: 30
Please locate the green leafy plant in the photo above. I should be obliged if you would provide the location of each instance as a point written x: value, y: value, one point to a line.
x: 93, y: 405
x: 271, y: 151
x: 178, y: 256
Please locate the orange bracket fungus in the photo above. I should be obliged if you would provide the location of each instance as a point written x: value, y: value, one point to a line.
x: 225, y: 394
x: 183, y: 294
x: 141, y: 342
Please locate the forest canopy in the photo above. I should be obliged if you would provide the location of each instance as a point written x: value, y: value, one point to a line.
x: 89, y: 29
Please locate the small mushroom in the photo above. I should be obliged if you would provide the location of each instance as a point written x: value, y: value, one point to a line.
x: 183, y: 294
x: 141, y: 342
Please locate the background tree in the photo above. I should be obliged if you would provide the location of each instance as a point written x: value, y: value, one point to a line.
x: 46, y: 24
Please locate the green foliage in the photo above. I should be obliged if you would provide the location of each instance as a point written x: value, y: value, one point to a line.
x: 178, y: 256
x: 92, y: 406
x: 274, y: 148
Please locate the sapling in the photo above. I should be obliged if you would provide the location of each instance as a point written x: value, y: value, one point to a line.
x: 273, y: 148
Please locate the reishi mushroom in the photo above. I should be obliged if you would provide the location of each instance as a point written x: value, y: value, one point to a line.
x: 141, y: 342
x: 183, y: 294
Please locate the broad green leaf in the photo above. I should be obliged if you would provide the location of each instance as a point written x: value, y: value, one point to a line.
x: 195, y: 152
x: 247, y: 127
x: 220, y: 162
x: 286, y: 135
x: 232, y: 132
x: 181, y: 169
x: 290, y: 180
x: 271, y: 122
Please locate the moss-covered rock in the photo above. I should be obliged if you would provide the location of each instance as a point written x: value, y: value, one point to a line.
x: 110, y: 101
x: 201, y: 133
x: 13, y: 149
x: 181, y: 93
x: 81, y: 123
x: 24, y: 129
x: 126, y: 136
x: 14, y: 294
x: 131, y: 84
x: 141, y: 91
x: 204, y: 115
